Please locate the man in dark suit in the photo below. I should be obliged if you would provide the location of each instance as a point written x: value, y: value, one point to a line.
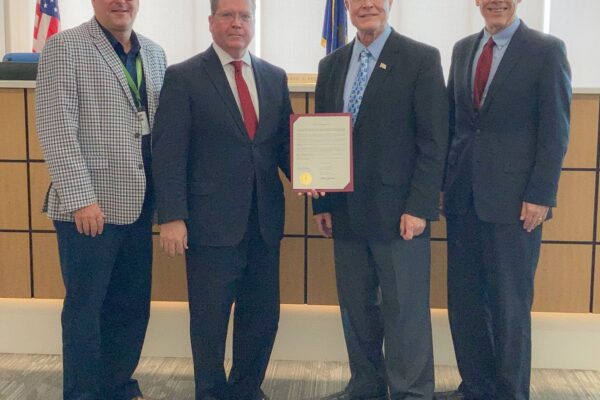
x: 222, y: 131
x: 394, y: 87
x: 510, y: 92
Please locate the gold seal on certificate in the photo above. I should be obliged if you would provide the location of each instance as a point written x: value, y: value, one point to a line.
x: 321, y: 152
x: 305, y: 178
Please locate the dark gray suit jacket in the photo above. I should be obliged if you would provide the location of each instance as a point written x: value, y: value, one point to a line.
x: 400, y: 138
x: 205, y: 168
x: 512, y: 149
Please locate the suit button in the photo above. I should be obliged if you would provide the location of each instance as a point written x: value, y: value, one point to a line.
x: 137, y: 135
x: 140, y: 166
x: 478, y: 131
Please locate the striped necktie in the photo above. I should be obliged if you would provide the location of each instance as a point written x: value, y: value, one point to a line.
x: 360, y: 83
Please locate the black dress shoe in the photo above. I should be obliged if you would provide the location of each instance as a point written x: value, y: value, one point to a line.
x: 343, y: 395
x: 450, y: 395
x: 262, y: 396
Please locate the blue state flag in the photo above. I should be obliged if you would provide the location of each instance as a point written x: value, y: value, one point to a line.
x: 335, y: 25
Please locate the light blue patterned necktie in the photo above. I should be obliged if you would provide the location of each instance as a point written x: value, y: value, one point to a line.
x: 360, y: 83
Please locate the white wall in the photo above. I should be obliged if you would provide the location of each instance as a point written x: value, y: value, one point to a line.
x: 2, y: 30
x: 578, y: 26
x: 288, y: 31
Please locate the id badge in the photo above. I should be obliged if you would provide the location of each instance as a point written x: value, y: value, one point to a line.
x: 145, y: 123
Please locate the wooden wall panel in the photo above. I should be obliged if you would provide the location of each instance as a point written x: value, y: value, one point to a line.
x: 15, y: 276
x: 311, y: 103
x: 168, y: 276
x: 321, y: 273
x: 563, y: 278
x: 438, y: 228
x: 13, y: 197
x: 311, y: 226
x: 39, y: 186
x: 35, y: 151
x: 596, y: 299
x: 291, y: 271
x: 12, y: 125
x: 298, y: 101
x: 583, y: 140
x: 574, y: 217
x: 294, y: 209
x: 439, y: 292
x: 47, y: 279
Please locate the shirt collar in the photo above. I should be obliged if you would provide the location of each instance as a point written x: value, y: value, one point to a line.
x: 503, y: 37
x: 225, y: 58
x: 374, y: 48
x: 135, y: 43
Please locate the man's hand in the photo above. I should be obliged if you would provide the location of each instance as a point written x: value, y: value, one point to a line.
x: 173, y: 237
x: 323, y: 222
x: 89, y: 220
x: 313, y: 193
x: 533, y: 215
x: 411, y: 227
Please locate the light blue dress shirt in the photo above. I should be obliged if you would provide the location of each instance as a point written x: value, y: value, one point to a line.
x: 375, y: 50
x: 502, y: 40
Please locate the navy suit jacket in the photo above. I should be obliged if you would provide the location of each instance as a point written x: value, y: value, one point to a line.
x: 400, y: 138
x: 512, y: 150
x: 205, y: 167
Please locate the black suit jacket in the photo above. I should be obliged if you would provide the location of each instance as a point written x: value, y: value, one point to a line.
x: 512, y: 149
x: 400, y: 138
x: 205, y: 168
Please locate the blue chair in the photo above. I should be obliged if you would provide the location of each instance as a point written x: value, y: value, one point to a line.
x: 22, y: 57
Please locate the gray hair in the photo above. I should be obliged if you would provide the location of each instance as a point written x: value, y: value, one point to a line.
x: 214, y: 5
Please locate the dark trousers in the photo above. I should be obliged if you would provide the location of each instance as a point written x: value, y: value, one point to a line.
x: 106, y: 307
x: 247, y: 274
x: 383, y: 289
x: 491, y: 270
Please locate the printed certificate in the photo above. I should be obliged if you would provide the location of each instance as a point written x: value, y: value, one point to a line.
x: 321, y: 152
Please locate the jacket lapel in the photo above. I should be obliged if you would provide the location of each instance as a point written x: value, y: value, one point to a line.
x: 216, y: 74
x: 259, y: 79
x: 148, y: 78
x: 110, y: 56
x: 383, y: 66
x: 512, y: 57
x: 468, y: 71
x: 339, y: 75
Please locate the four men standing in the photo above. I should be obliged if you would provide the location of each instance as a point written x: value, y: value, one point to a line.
x: 222, y: 133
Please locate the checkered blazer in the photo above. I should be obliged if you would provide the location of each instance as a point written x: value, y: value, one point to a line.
x: 88, y: 126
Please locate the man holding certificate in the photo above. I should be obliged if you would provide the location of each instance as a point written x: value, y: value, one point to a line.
x: 394, y: 89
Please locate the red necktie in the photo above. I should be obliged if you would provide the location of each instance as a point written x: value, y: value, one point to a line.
x: 248, y: 111
x: 482, y: 73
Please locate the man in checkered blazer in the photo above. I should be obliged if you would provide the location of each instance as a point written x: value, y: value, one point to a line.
x: 97, y: 93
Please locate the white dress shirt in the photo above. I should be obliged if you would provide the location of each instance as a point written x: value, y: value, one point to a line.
x: 247, y: 72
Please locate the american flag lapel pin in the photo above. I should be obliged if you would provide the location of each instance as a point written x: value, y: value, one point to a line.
x: 382, y: 66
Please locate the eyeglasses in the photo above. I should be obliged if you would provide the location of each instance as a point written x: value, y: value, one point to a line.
x: 229, y: 16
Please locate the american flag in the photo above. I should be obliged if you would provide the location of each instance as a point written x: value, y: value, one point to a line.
x: 47, y: 23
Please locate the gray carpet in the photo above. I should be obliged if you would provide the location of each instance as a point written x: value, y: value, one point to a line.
x: 24, y: 377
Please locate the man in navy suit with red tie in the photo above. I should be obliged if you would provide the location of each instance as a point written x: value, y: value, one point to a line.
x: 222, y: 132
x: 510, y: 93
